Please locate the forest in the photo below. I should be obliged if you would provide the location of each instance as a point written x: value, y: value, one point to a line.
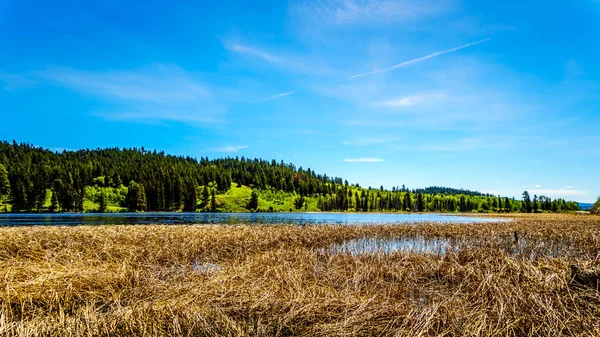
x: 33, y: 179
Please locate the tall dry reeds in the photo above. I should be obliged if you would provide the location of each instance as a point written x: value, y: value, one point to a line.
x: 284, y: 281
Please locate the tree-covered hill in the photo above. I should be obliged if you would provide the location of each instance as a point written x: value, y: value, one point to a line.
x: 36, y: 179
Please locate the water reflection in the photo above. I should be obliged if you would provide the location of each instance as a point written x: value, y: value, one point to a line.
x: 530, y: 248
x: 387, y: 246
x: 231, y: 218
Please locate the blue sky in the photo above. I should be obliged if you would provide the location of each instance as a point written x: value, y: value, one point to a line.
x: 492, y: 96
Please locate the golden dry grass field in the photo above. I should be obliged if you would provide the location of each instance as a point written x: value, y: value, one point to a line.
x: 303, y: 280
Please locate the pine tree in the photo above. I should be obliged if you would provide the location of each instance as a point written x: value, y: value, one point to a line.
x: 526, y: 206
x: 462, y: 204
x: 141, y: 200
x: 213, y: 201
x: 299, y: 202
x: 205, y: 196
x: 190, y: 201
x: 136, y: 197
x: 507, y: 206
x: 103, y: 202
x: 4, y: 183
x: 420, y: 202
x: 407, y: 202
x: 132, y: 194
x: 54, y: 201
x: 253, y: 203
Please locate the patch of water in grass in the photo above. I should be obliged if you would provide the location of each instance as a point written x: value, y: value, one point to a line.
x: 417, y: 245
x: 529, y: 248
x: 206, y: 267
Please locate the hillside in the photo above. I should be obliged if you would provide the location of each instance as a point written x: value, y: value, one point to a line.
x: 36, y: 179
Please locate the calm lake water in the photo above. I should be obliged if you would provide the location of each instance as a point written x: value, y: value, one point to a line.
x: 8, y: 219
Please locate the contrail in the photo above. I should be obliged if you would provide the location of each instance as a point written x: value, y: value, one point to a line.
x: 276, y: 96
x: 404, y: 64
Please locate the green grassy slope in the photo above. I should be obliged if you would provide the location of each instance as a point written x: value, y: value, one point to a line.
x: 236, y: 199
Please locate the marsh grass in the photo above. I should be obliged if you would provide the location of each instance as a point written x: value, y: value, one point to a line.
x: 283, y: 280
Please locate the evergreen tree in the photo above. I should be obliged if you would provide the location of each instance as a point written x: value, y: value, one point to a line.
x: 191, y: 200
x: 141, y: 198
x: 299, y: 202
x: 213, y: 201
x: 420, y: 202
x: 526, y: 206
x: 54, y: 202
x: 535, y: 203
x: 462, y: 206
x: 136, y: 197
x: 407, y: 202
x: 132, y: 195
x: 4, y: 183
x: 253, y: 203
x: 205, y: 196
x: 103, y: 202
x: 507, y: 205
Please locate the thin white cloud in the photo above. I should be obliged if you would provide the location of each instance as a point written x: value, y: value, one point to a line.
x: 537, y: 186
x: 274, y: 96
x: 154, y: 94
x: 349, y: 12
x: 231, y: 148
x: 249, y: 50
x: 417, y: 99
x: 569, y: 187
x: 159, y: 83
x: 363, y: 160
x: 404, y: 101
x: 285, y: 61
x: 558, y: 192
x: 417, y: 60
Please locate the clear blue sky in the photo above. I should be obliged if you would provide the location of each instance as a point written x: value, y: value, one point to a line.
x: 495, y: 96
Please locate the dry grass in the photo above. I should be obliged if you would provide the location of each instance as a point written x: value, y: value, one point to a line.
x: 278, y: 280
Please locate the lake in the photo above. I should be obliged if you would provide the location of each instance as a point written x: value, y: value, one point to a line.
x: 69, y: 219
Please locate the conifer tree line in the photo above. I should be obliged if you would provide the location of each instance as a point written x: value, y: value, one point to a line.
x: 37, y: 179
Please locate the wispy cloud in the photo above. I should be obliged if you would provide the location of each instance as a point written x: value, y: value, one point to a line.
x: 231, y: 148
x: 274, y: 96
x: 161, y: 92
x: 283, y: 60
x: 364, y: 160
x: 159, y: 83
x: 404, y: 101
x: 417, y: 60
x: 252, y: 51
x: 345, y: 12
x: 417, y: 99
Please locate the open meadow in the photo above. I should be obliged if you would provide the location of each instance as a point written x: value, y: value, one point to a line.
x: 534, y: 275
